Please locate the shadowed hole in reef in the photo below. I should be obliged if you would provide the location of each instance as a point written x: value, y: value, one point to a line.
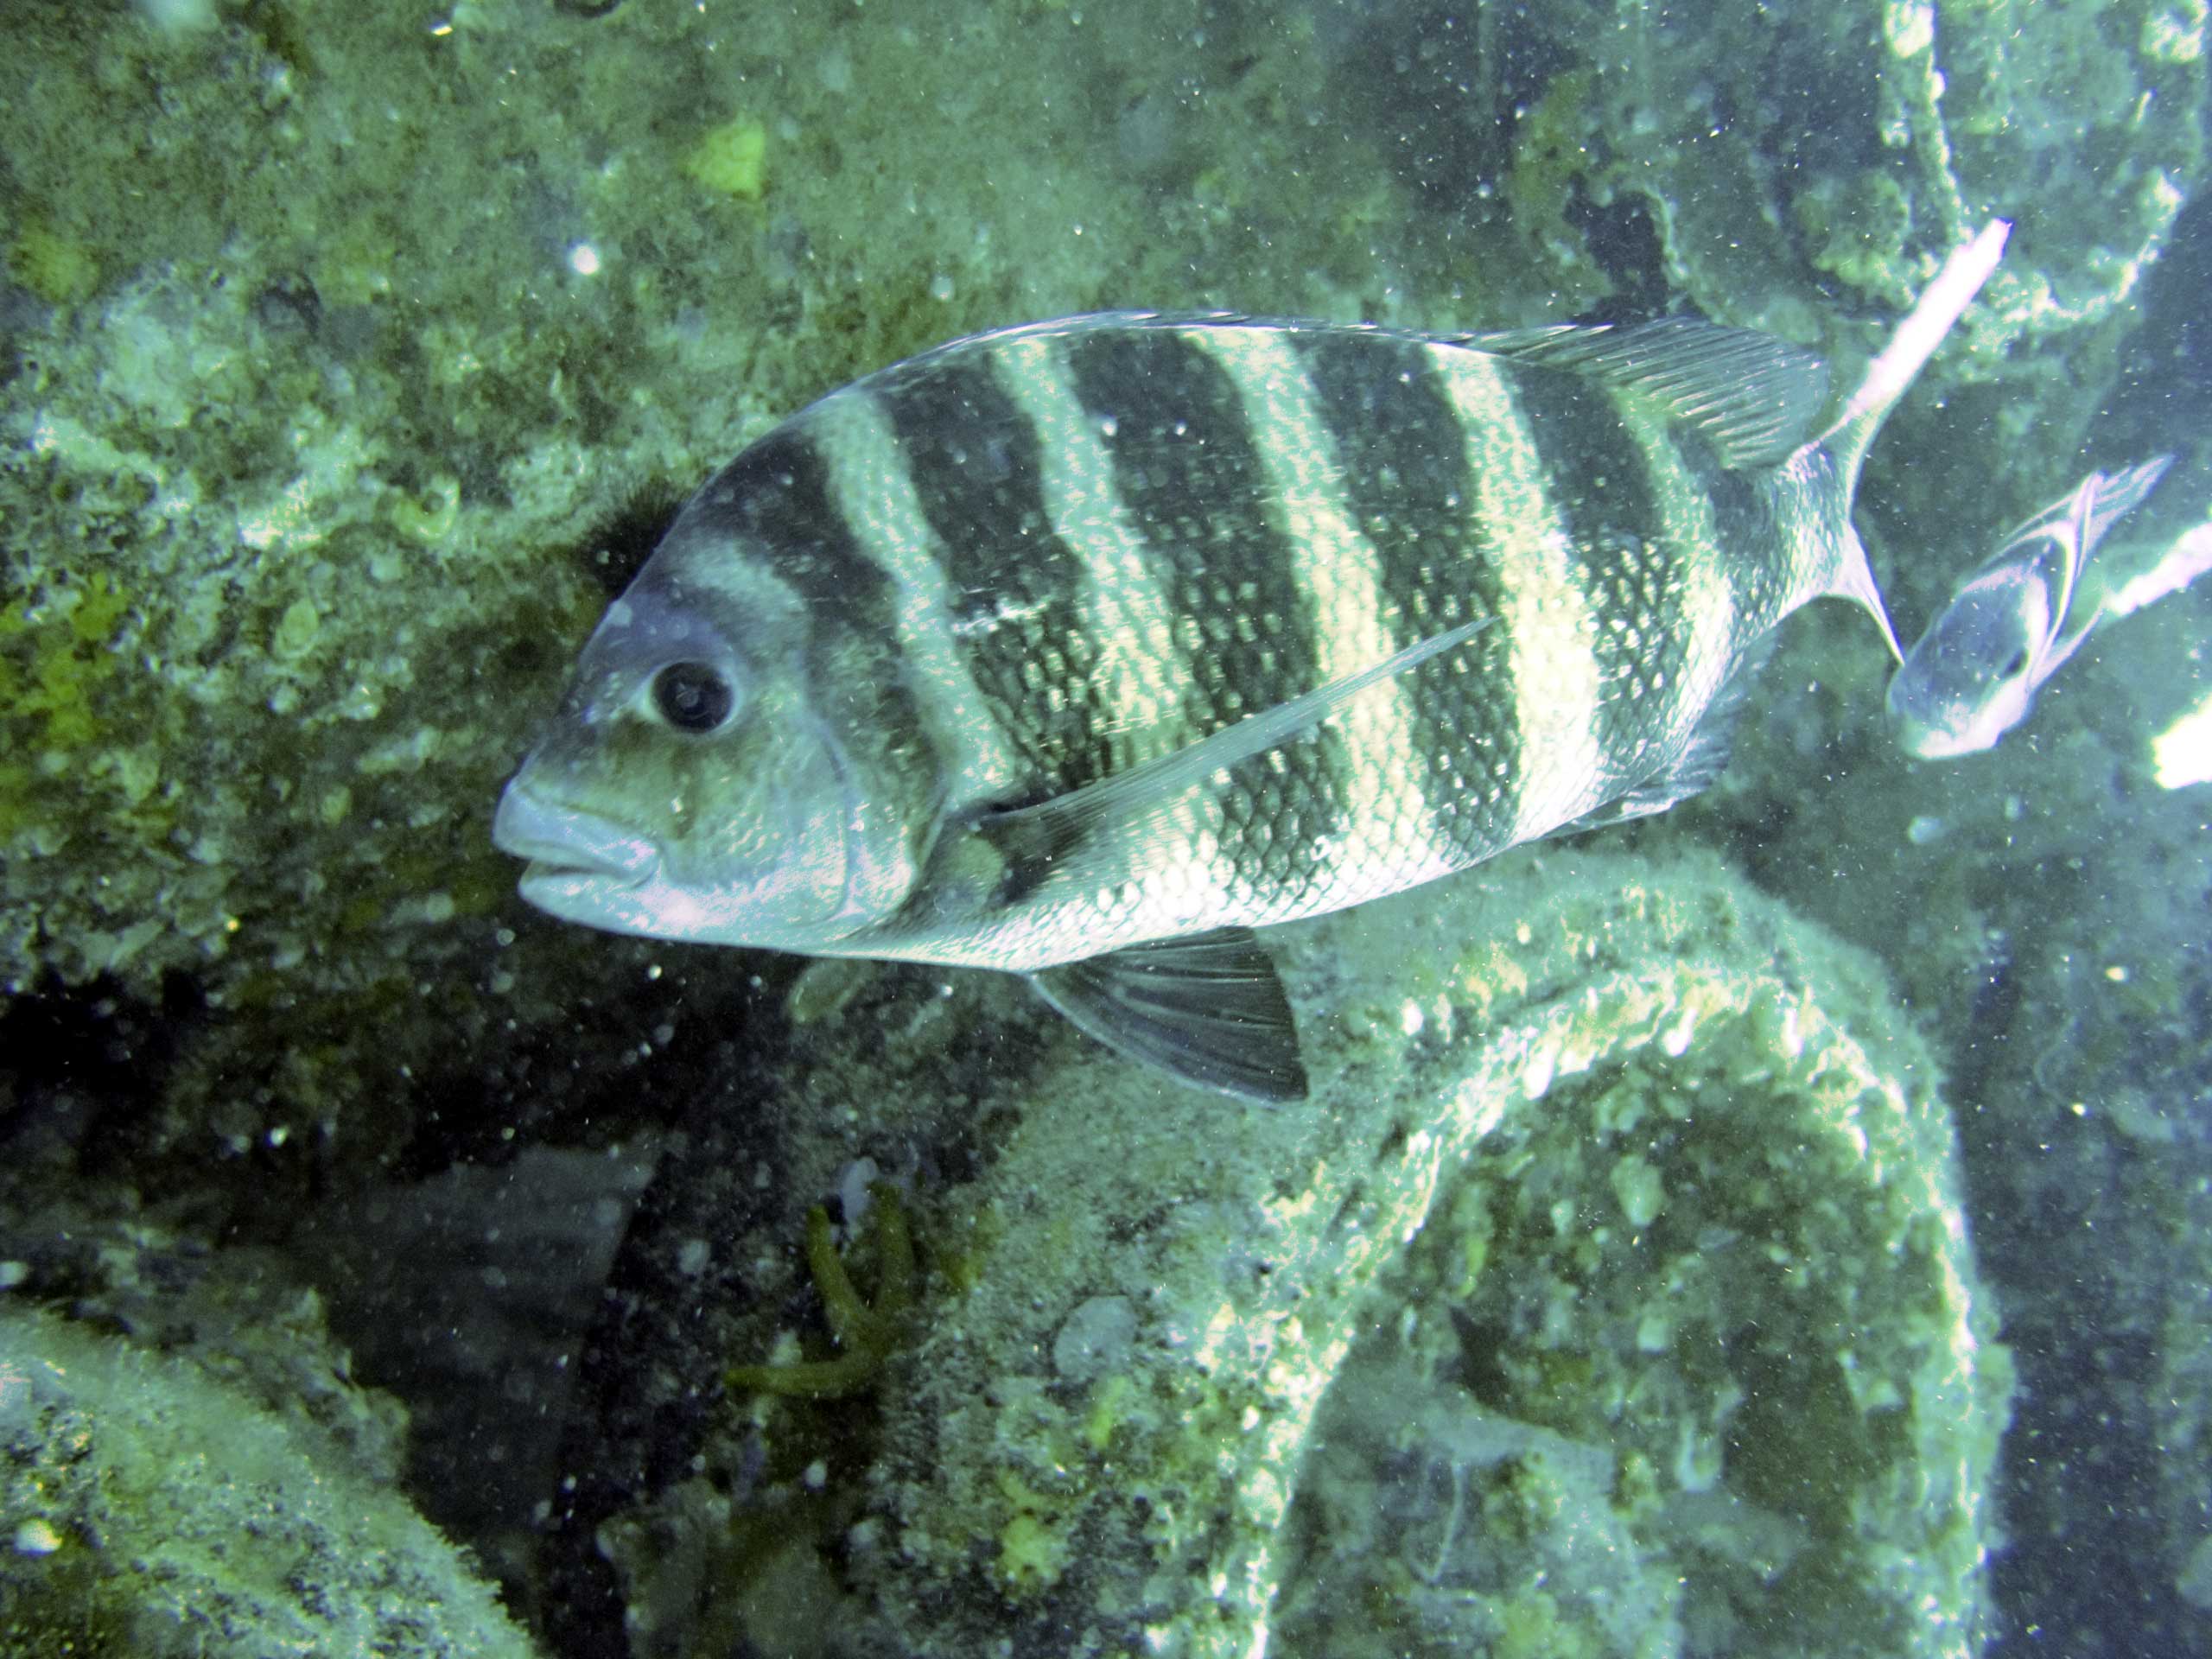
x: 617, y: 547
x: 1418, y: 86
x: 88, y: 1064
x: 1622, y: 238
x: 2166, y: 378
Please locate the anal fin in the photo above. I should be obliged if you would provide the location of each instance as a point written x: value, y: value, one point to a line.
x: 1207, y: 1009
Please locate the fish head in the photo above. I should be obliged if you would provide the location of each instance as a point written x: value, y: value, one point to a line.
x: 1973, y: 676
x: 702, y: 779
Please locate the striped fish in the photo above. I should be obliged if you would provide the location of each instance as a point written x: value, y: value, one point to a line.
x: 1079, y: 650
x: 2013, y: 623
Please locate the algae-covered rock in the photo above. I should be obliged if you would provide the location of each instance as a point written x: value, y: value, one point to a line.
x: 148, y: 1509
x: 1611, y: 1296
x: 1691, y: 1345
x: 1875, y: 134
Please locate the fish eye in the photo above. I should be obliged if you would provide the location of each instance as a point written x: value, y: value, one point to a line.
x: 693, y: 696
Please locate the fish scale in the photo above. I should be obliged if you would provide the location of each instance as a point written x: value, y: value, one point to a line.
x: 887, y: 503
x: 1126, y: 625
x: 1189, y: 462
x: 1080, y: 649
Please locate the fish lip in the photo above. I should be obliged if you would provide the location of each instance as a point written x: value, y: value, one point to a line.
x: 569, y: 847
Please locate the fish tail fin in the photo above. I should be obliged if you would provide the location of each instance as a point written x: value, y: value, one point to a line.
x: 1895, y: 367
x: 1855, y: 581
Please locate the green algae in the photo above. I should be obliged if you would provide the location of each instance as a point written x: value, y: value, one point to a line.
x: 57, y: 662
x: 868, y: 1333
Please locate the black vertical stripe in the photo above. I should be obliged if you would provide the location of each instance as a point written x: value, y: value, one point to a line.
x: 1014, y: 590
x: 1409, y: 484
x: 1635, y: 581
x: 775, y: 496
x: 1197, y: 493
x: 1753, y: 550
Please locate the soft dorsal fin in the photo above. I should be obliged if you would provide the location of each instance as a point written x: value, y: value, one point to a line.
x: 1753, y: 396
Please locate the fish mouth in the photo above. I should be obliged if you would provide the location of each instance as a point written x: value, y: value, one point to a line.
x: 570, y: 851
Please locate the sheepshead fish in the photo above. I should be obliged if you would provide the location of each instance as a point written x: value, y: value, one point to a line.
x: 1080, y: 649
x: 1973, y: 675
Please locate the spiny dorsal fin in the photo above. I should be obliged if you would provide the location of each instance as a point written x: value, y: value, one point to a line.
x: 1207, y: 1009
x: 1753, y: 396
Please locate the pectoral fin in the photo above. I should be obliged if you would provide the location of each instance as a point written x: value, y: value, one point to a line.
x: 1128, y: 799
x: 1207, y: 1009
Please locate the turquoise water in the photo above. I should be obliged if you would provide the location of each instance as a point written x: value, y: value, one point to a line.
x: 1777, y: 1227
